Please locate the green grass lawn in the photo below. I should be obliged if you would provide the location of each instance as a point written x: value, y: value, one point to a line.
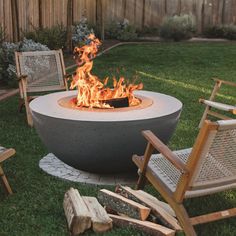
x: 182, y: 70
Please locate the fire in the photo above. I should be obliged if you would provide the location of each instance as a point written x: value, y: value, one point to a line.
x: 91, y: 91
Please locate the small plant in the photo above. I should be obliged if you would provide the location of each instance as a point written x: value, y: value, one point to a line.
x: 54, y: 37
x: 2, y: 35
x: 230, y: 32
x: 216, y: 31
x: 122, y: 31
x: 7, y: 56
x: 178, y: 27
x: 80, y: 32
x: 221, y: 31
x: 148, y: 31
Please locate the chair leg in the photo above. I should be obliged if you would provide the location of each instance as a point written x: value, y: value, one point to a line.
x: 183, y: 219
x: 141, y: 180
x: 28, y: 113
x: 21, y: 104
x: 5, y: 182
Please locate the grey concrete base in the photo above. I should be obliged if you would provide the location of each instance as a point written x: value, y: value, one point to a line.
x: 53, y: 166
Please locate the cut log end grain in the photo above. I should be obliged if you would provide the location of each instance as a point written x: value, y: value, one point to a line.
x: 76, y: 211
x: 101, y: 222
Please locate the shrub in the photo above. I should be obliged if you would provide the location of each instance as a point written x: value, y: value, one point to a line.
x: 2, y: 35
x: 54, y: 37
x: 216, y: 31
x: 230, y: 32
x: 178, y: 27
x: 148, y: 31
x: 80, y: 32
x: 221, y: 31
x: 7, y: 56
x: 122, y: 31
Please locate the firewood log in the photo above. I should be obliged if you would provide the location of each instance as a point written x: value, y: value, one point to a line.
x: 101, y: 222
x: 76, y: 211
x: 159, y: 209
x: 145, y: 226
x: 123, y: 205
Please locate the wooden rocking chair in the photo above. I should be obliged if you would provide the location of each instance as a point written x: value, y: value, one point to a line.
x: 4, y: 155
x: 207, y: 168
x: 39, y: 72
x: 211, y: 103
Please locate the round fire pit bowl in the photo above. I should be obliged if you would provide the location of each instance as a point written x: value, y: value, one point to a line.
x: 102, y: 140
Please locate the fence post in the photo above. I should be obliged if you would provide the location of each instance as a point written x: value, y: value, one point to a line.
x: 100, y: 4
x: 40, y: 14
x: 69, y: 25
x: 15, y: 21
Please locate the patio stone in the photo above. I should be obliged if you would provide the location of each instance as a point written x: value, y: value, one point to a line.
x: 55, y: 167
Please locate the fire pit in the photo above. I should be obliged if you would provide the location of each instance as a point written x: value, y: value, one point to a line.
x: 102, y: 140
x: 97, y: 128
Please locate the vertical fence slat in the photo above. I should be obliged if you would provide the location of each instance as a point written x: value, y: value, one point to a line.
x: 172, y: 7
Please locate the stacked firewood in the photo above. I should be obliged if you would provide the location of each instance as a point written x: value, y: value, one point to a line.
x: 124, y: 207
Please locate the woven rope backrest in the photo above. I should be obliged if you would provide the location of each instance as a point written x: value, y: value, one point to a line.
x: 217, y: 163
x: 43, y: 69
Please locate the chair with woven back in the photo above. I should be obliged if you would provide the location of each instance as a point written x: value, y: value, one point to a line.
x: 39, y: 72
x: 209, y: 167
x: 215, y: 108
x: 5, y: 153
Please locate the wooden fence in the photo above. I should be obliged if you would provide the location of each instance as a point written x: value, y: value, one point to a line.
x: 17, y: 16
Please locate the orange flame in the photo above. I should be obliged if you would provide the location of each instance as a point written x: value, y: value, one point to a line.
x: 91, y: 91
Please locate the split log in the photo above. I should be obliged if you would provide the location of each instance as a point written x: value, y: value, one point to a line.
x: 130, y: 193
x: 76, y: 211
x: 159, y: 209
x: 145, y: 226
x: 101, y: 222
x: 123, y: 205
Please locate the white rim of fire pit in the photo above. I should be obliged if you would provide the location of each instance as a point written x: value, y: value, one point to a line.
x: 162, y: 105
x: 55, y: 167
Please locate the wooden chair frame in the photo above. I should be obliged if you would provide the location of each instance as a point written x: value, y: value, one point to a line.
x: 210, y: 103
x: 183, y: 188
x: 4, y: 155
x: 24, y: 89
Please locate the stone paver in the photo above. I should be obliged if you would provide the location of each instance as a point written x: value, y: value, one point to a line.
x: 53, y: 166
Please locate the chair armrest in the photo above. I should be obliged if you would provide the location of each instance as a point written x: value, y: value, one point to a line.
x: 164, y: 150
x: 218, y: 105
x: 6, y: 154
x: 224, y: 82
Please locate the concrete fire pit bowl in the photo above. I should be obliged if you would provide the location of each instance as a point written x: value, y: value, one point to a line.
x: 102, y: 140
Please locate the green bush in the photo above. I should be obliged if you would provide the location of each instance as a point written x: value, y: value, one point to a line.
x: 230, y: 32
x: 221, y: 31
x: 80, y: 32
x: 121, y: 30
x: 2, y: 35
x: 7, y: 57
x: 178, y: 27
x: 216, y: 31
x: 54, y: 37
x: 148, y: 31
